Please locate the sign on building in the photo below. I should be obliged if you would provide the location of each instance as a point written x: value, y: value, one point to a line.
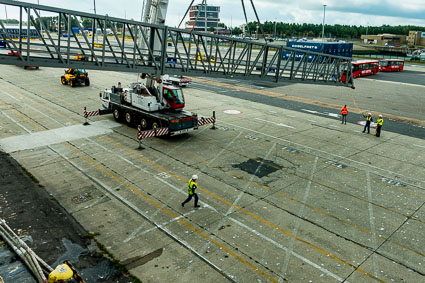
x: 423, y: 34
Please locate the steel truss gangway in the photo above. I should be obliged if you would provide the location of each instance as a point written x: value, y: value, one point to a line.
x: 124, y: 45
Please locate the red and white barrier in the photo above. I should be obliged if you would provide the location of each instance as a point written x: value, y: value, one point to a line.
x: 90, y: 113
x: 152, y: 133
x: 203, y: 121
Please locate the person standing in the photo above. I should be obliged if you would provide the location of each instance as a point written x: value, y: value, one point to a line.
x: 344, y: 113
x: 191, y: 190
x: 379, y: 123
x: 369, y: 120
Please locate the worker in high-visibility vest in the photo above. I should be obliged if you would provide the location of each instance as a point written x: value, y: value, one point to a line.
x: 191, y: 190
x: 369, y: 120
x: 379, y: 123
x: 344, y: 113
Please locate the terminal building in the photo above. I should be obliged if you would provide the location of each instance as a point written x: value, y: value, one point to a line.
x: 384, y: 39
x: 204, y: 17
x: 416, y: 38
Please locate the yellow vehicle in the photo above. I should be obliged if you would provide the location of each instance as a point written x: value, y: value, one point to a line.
x: 80, y: 57
x: 75, y: 77
x: 99, y: 45
x: 202, y: 57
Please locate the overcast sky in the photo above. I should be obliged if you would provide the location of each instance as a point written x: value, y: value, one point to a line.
x: 354, y: 12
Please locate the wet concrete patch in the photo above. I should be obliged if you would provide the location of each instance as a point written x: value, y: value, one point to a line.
x: 259, y: 167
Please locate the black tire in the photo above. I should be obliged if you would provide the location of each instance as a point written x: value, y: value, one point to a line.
x: 117, y: 114
x: 63, y: 80
x: 143, y: 123
x: 72, y: 83
x: 25, y: 67
x: 128, y: 118
x: 155, y: 124
x: 391, y: 70
x: 37, y: 67
x: 87, y: 82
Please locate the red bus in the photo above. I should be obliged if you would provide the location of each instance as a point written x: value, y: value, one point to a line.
x: 363, y: 68
x: 391, y: 65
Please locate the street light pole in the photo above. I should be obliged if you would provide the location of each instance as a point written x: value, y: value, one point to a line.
x: 95, y: 21
x: 41, y: 26
x: 323, y: 25
x: 275, y: 29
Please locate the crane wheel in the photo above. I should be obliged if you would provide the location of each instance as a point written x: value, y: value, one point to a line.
x: 155, y: 125
x: 143, y: 123
x: 128, y: 118
x: 117, y: 114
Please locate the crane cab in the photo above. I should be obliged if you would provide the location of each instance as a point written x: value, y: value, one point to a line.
x: 174, y: 96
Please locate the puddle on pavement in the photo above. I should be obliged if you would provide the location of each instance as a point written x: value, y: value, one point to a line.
x: 101, y: 272
x: 259, y: 167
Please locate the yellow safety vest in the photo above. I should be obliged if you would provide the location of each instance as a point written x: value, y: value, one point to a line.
x: 191, y: 187
x: 380, y: 121
x: 369, y: 118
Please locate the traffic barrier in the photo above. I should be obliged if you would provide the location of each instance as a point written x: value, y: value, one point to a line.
x: 203, y: 121
x: 87, y: 114
x: 157, y: 132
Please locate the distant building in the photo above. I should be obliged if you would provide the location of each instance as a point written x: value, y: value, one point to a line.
x: 198, y: 21
x: 386, y: 38
x: 416, y: 38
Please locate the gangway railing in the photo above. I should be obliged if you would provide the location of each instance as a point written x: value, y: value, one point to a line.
x: 83, y: 40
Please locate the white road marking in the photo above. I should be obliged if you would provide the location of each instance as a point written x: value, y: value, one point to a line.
x: 300, y: 214
x: 63, y: 134
x: 325, y: 152
x: 278, y: 124
x: 138, y: 211
x: 392, y: 82
x: 372, y: 223
x: 16, y: 122
x: 329, y: 273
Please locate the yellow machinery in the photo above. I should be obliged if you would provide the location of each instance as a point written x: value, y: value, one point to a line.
x: 80, y: 57
x: 75, y: 77
x: 64, y: 272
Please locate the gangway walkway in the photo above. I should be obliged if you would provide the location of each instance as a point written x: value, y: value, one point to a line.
x: 132, y: 46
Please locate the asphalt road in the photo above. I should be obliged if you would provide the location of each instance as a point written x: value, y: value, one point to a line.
x: 389, y: 125
x: 406, y: 76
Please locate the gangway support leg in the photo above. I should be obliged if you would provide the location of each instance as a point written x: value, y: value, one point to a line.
x: 213, y: 126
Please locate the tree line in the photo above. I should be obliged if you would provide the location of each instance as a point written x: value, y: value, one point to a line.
x: 315, y: 30
x: 269, y: 28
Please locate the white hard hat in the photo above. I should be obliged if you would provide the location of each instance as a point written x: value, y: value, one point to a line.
x: 380, y: 116
x: 195, y: 177
x: 369, y: 113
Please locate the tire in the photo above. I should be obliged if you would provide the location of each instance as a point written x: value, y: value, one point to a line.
x: 72, y: 83
x: 391, y: 70
x: 155, y: 124
x: 359, y: 75
x: 87, y: 82
x: 143, y: 123
x: 63, y: 80
x: 128, y: 118
x: 117, y: 114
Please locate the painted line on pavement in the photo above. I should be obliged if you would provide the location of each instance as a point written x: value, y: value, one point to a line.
x: 372, y: 222
x: 300, y: 214
x: 278, y: 124
x: 323, y: 151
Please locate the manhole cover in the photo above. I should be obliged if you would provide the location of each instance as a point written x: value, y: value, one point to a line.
x: 82, y: 198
